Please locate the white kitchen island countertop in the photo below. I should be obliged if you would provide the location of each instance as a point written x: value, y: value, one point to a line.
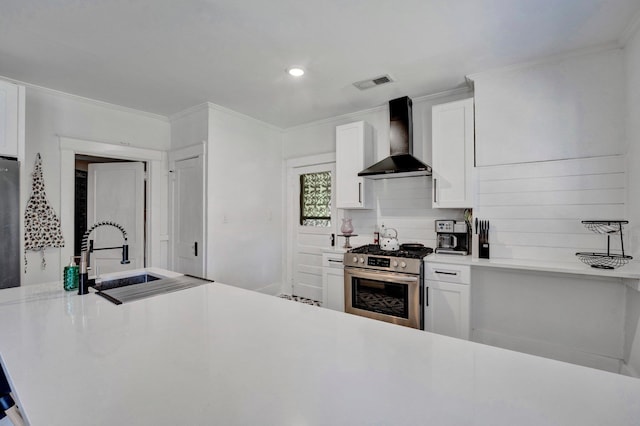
x: 217, y: 354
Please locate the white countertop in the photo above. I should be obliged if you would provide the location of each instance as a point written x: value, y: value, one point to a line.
x: 216, y: 354
x: 629, y: 271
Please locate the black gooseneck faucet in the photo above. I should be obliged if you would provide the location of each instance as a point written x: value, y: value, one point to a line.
x: 83, y: 285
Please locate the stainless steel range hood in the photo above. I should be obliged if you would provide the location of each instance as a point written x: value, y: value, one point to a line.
x: 401, y: 162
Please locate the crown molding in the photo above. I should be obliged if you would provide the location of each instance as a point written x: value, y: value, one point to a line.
x: 544, y: 60
x: 86, y: 100
x: 210, y: 106
x: 357, y: 114
x: 467, y: 88
x: 348, y: 116
x: 191, y: 110
x: 226, y: 110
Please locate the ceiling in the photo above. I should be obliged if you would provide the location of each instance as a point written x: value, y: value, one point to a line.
x: 164, y: 56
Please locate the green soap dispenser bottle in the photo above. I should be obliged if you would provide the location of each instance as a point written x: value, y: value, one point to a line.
x: 71, y: 276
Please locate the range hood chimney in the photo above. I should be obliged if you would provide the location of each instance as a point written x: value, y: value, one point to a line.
x: 401, y: 162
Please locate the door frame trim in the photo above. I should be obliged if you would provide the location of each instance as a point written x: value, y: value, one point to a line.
x: 192, y: 151
x: 289, y: 208
x: 157, y: 240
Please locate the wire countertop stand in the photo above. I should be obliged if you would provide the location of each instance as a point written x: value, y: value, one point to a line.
x: 606, y: 260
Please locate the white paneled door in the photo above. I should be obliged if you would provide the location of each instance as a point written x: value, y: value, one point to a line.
x: 187, y: 175
x: 116, y: 193
x: 310, y: 234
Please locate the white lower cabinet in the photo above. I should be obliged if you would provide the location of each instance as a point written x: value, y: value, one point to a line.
x: 447, y: 299
x: 333, y: 281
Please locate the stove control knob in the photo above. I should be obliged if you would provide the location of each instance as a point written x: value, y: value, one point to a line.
x: 355, y: 259
x: 362, y: 260
x: 403, y: 265
x: 395, y: 263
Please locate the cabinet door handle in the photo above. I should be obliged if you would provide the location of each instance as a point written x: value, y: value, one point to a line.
x: 360, y: 192
x: 435, y: 190
x: 426, y: 296
x: 446, y: 273
x: 335, y: 261
x: 195, y: 249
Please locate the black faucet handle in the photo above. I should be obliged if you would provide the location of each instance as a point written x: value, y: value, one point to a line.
x: 125, y: 254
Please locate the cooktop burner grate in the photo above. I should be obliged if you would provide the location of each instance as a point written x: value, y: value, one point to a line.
x: 375, y: 250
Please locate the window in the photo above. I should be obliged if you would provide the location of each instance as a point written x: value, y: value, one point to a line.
x: 315, y: 199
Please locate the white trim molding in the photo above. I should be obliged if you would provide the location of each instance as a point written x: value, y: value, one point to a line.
x: 310, y: 160
x: 471, y: 78
x: 86, y: 100
x: 192, y: 151
x: 156, y: 220
x: 210, y: 106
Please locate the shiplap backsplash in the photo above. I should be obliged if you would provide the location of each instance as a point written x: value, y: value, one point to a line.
x: 536, y: 209
x: 405, y: 205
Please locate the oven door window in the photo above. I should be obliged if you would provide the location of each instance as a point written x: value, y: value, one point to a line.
x: 380, y: 296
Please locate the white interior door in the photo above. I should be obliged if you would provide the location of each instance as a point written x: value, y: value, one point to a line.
x: 188, y: 203
x: 116, y: 193
x: 308, y: 241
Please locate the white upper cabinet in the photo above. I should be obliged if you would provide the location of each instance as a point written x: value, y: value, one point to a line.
x: 11, y: 114
x: 354, y: 153
x: 453, y: 154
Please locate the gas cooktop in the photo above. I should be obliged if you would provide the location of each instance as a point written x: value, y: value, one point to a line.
x: 411, y: 251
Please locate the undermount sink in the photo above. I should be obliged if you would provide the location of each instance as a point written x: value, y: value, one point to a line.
x: 123, y: 290
x: 126, y: 281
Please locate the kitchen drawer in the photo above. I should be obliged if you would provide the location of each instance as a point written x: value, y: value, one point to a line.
x: 332, y: 260
x: 460, y: 274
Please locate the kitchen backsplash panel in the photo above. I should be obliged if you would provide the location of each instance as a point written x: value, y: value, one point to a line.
x: 536, y: 209
x: 405, y: 205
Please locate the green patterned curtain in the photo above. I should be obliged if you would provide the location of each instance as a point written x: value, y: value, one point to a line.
x: 315, y: 199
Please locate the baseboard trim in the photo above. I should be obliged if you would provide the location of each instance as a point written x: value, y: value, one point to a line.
x: 272, y: 289
x: 307, y: 291
x: 628, y: 370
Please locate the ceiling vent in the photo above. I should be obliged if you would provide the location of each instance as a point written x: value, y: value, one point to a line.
x: 373, y: 82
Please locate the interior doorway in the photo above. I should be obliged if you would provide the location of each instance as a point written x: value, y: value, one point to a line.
x: 155, y: 193
x: 188, y: 210
x: 111, y: 189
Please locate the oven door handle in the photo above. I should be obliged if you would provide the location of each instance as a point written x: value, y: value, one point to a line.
x: 382, y: 275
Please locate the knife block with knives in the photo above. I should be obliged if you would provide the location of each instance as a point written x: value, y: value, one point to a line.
x: 482, y: 229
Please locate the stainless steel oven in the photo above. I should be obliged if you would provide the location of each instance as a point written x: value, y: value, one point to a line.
x: 385, y: 286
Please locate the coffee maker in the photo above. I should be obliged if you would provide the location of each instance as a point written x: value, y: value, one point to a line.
x: 452, y: 237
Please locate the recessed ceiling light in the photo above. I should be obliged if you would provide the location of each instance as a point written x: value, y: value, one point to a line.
x: 295, y: 71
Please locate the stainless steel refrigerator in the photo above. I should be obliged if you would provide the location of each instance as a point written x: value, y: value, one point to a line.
x: 9, y: 223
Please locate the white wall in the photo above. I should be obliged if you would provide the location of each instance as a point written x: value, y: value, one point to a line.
x: 50, y: 114
x: 190, y: 127
x: 550, y: 147
x: 568, y: 107
x: 536, y: 208
x: 632, y: 65
x: 245, y: 207
x: 572, y: 318
x: 632, y: 68
x: 550, y: 151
